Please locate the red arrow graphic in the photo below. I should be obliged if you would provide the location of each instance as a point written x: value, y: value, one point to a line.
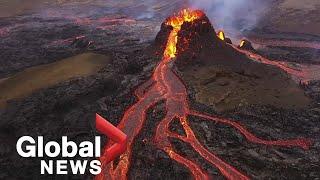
x: 117, y: 136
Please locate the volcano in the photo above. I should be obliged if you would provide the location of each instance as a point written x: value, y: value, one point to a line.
x: 194, y: 106
x: 208, y: 64
x: 188, y: 41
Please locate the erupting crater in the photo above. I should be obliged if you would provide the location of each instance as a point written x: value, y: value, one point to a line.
x: 181, y: 32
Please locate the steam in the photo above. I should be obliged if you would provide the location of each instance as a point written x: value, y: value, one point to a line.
x: 232, y: 16
x: 149, y: 11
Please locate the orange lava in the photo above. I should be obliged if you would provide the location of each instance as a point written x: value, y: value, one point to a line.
x: 241, y: 43
x: 176, y: 22
x: 300, y: 73
x: 166, y: 85
x: 221, y: 35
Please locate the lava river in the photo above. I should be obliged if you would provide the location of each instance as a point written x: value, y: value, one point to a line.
x: 166, y: 85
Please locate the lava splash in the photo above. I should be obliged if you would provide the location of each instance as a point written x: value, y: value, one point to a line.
x: 166, y: 86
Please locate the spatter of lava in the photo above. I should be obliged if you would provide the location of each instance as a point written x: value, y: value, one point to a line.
x: 166, y: 85
x: 221, y: 35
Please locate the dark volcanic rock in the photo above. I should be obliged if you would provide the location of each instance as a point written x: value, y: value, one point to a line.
x: 199, y: 44
x: 39, y: 38
x: 228, y: 40
x: 246, y: 45
x: 81, y: 42
x: 224, y: 77
x: 203, y: 47
x: 203, y: 56
x: 68, y: 109
x: 161, y: 39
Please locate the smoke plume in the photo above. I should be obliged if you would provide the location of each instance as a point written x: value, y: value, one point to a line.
x: 233, y: 16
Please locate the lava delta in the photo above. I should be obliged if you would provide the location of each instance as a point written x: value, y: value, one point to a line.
x: 187, y: 41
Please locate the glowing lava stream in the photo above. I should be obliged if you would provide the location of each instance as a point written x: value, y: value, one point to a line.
x: 166, y: 85
x: 302, y: 73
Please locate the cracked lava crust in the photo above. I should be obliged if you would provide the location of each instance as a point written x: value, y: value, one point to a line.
x: 165, y: 85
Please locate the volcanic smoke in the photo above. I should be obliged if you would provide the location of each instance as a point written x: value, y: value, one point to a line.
x: 166, y: 85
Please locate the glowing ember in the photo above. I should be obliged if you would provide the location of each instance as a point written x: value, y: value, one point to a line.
x: 241, y: 43
x: 166, y: 85
x: 221, y: 35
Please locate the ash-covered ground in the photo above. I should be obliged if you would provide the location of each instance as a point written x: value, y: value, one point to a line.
x: 69, y: 107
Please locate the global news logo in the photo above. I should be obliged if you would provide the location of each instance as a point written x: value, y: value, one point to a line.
x: 68, y: 150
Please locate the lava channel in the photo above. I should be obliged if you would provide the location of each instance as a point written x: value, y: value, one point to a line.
x: 166, y: 85
x: 301, y: 73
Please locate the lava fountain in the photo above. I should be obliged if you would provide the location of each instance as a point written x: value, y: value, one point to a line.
x: 166, y: 85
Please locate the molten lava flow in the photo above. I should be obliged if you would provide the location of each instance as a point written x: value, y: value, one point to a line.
x: 176, y: 22
x: 166, y: 85
x: 300, y: 74
x: 221, y: 35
